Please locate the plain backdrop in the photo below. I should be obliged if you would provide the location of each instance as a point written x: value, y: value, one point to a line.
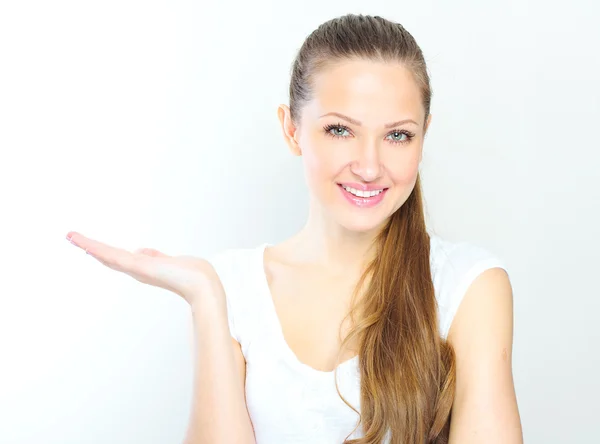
x: 153, y: 124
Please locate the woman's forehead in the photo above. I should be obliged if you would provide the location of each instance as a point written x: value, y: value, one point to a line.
x: 369, y: 91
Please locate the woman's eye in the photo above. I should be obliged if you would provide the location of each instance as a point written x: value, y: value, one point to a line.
x: 338, y: 131
x: 397, y: 136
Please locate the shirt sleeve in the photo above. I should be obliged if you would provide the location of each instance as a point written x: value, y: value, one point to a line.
x: 459, y: 265
x: 223, y: 265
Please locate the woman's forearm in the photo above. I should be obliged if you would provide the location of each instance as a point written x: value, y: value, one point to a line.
x: 219, y: 414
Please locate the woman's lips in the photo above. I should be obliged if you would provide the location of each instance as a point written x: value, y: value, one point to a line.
x: 363, y: 202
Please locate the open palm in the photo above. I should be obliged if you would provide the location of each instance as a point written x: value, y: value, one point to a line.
x: 186, y: 276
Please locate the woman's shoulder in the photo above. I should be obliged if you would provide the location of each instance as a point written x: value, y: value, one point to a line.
x: 239, y: 268
x: 454, y: 267
x: 455, y: 255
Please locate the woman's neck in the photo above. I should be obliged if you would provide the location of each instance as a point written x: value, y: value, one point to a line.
x: 333, y: 247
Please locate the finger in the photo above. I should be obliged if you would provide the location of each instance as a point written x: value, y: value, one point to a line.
x: 113, y: 257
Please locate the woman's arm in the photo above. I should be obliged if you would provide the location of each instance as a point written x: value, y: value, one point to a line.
x: 485, y: 406
x: 219, y: 414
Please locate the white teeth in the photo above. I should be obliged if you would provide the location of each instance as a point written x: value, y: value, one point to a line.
x: 360, y: 193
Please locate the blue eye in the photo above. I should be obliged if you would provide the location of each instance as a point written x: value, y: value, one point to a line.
x: 337, y: 131
x: 336, y: 128
x: 339, y: 128
x: 399, y: 135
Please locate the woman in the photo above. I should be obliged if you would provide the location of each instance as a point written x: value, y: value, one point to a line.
x: 362, y: 327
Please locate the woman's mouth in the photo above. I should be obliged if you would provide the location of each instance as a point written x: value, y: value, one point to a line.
x: 361, y: 198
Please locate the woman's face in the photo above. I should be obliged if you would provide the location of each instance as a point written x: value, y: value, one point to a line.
x: 361, y: 139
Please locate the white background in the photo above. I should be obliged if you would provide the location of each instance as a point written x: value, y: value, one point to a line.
x: 153, y: 124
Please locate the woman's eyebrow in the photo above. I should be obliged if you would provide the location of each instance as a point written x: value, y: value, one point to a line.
x: 357, y: 123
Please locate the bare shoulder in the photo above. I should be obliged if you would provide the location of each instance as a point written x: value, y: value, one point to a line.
x: 486, y: 306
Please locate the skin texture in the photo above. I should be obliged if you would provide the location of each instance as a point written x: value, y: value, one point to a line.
x: 485, y: 405
x: 367, y: 153
x: 337, y: 235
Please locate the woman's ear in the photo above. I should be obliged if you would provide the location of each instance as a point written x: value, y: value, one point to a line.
x: 289, y: 129
x: 424, y: 133
x: 428, y: 122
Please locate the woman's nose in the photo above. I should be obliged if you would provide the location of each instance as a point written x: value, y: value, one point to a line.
x: 367, y: 163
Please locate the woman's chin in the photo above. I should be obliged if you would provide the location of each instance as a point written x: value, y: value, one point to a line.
x: 362, y: 225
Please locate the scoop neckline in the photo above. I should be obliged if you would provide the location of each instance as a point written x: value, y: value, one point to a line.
x: 287, y: 353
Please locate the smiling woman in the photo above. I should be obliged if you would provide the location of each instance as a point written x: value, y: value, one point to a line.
x: 362, y: 327
x: 363, y: 292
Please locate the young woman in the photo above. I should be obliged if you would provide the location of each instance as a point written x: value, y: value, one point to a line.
x: 362, y: 327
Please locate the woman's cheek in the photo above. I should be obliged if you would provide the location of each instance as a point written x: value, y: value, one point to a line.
x: 402, y: 168
x: 316, y: 167
x: 322, y: 161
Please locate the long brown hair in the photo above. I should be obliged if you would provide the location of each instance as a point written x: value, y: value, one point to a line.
x: 407, y: 369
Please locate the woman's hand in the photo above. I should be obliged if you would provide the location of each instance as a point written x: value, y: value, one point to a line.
x: 187, y: 276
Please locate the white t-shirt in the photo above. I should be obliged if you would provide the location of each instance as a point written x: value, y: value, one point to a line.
x: 288, y: 401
